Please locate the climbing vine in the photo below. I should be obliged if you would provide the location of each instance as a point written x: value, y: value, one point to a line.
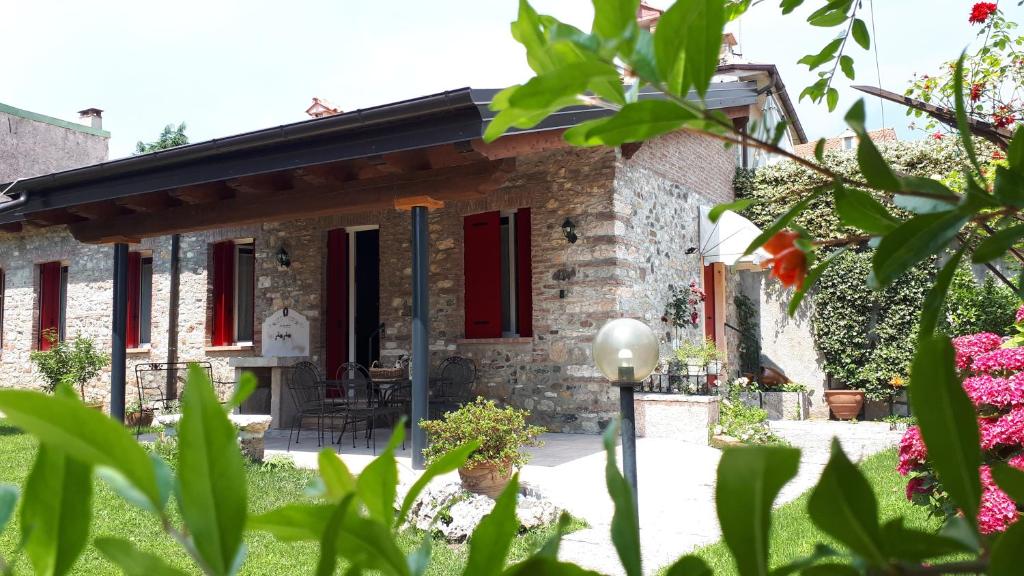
x: 749, y: 343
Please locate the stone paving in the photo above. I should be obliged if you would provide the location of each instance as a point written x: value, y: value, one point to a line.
x: 677, y: 511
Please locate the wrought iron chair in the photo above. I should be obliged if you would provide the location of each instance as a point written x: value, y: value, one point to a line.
x: 357, y: 402
x: 153, y: 383
x: 453, y: 387
x: 306, y: 388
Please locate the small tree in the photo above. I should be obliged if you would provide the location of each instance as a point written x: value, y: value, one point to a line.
x: 170, y: 137
x: 74, y: 364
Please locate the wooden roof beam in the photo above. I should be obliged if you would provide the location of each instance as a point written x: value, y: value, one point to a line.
x: 98, y: 210
x: 262, y: 183
x: 513, y: 145
x: 202, y: 193
x: 56, y: 217
x: 153, y: 202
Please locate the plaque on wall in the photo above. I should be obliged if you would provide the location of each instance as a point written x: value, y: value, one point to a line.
x: 285, y: 334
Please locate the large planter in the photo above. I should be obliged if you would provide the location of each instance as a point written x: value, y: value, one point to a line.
x: 786, y: 405
x: 485, y: 478
x: 845, y: 404
x: 141, y: 418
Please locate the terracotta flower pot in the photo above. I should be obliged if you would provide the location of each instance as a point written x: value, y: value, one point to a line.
x: 485, y: 478
x: 139, y: 418
x: 845, y: 404
x: 95, y: 405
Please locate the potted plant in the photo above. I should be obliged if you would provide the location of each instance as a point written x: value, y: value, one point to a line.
x: 845, y: 403
x: 74, y: 364
x: 138, y: 415
x: 502, y: 432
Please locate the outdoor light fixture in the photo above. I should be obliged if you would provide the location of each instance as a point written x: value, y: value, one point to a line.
x: 626, y: 352
x: 283, y: 258
x: 691, y: 249
x: 569, y: 231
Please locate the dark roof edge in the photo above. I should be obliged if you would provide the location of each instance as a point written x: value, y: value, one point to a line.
x: 357, y: 119
x: 780, y: 89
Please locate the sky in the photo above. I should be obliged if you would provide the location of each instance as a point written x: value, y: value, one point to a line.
x: 230, y: 66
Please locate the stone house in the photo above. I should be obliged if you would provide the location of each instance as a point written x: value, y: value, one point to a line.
x: 529, y: 244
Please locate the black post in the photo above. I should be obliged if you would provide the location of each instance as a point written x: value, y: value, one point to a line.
x: 628, y: 438
x: 172, y: 315
x: 119, y: 332
x: 420, y: 333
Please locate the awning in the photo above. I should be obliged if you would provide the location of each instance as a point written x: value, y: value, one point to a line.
x: 726, y: 240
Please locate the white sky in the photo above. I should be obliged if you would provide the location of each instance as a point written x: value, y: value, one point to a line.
x: 228, y: 66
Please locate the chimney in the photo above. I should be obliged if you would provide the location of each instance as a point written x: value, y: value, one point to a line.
x: 94, y: 115
x: 320, y: 108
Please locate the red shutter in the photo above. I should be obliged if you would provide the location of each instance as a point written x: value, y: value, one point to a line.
x: 524, y: 268
x: 337, y: 301
x: 49, y: 301
x: 134, y: 288
x: 223, y: 294
x: 482, y: 271
x: 709, y: 302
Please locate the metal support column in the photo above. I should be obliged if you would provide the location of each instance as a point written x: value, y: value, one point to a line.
x: 119, y: 332
x: 628, y: 427
x: 420, y: 333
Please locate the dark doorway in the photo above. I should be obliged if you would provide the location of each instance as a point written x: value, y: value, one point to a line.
x: 366, y: 309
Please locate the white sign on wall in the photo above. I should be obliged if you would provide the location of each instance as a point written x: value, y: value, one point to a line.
x: 285, y: 334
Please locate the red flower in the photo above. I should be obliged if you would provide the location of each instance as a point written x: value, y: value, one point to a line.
x: 981, y: 12
x: 976, y: 89
x: 937, y: 136
x: 789, y: 263
x: 916, y: 486
x: 997, y: 155
x: 1003, y: 117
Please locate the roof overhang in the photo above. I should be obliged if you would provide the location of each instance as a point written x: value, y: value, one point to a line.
x: 779, y: 90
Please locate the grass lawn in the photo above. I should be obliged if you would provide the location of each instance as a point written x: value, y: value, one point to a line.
x: 793, y: 535
x: 269, y: 487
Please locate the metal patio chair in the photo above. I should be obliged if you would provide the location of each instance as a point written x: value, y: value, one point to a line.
x: 453, y: 387
x: 306, y: 388
x: 359, y: 401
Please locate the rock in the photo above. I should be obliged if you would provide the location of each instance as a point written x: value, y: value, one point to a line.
x: 723, y: 441
x: 251, y: 428
x: 445, y: 507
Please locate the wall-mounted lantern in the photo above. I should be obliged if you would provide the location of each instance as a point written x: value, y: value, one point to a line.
x: 283, y: 258
x: 569, y: 231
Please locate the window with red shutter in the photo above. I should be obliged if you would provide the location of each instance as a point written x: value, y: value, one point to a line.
x: 3, y: 302
x: 336, y: 328
x: 223, y: 333
x: 482, y: 269
x: 52, y: 303
x: 524, y: 273
x: 134, y: 286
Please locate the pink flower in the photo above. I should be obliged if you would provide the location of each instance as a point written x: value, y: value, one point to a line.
x: 1017, y: 461
x: 916, y: 486
x: 997, y: 511
x: 1007, y: 430
x: 999, y: 361
x: 969, y: 347
x: 1020, y: 312
x: 912, y: 451
x: 999, y: 392
x: 937, y: 135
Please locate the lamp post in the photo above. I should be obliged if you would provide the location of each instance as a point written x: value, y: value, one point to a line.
x: 626, y: 352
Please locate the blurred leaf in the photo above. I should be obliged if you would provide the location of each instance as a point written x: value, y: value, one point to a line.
x: 832, y: 99
x: 294, y: 522
x: 526, y: 30
x: 913, y: 241
x: 370, y: 545
x: 916, y: 545
x: 211, y: 476
x: 8, y: 502
x: 874, y: 167
x: 943, y: 199
x: 934, y: 303
x: 246, y: 386
x: 843, y: 506
x: 855, y: 117
x: 451, y: 461
x: 687, y: 42
x: 543, y: 566
x: 846, y: 63
x: 790, y: 5
x: 947, y: 421
x: 625, y: 522
x: 784, y: 220
x: 642, y: 59
x: 1015, y: 151
x: 749, y: 479
x: 635, y: 122
x: 962, y: 125
x: 821, y: 552
x: 1010, y: 480
x: 56, y: 510
x: 735, y: 206
x: 338, y: 481
x: 489, y: 544
x: 83, y: 433
x: 830, y: 569
x: 860, y: 210
x: 1009, y: 186
x: 689, y: 565
x: 550, y: 547
x: 831, y: 14
x: 132, y: 561
x: 328, y: 560
x: 819, y: 150
x: 810, y: 280
x: 419, y: 559
x: 996, y: 245
x: 377, y: 483
x: 860, y: 34
x: 615, y: 18
x: 956, y: 528
x: 559, y: 88
x: 827, y: 54
x: 1006, y: 552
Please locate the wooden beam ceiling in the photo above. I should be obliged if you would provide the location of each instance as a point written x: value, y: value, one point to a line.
x: 203, y: 193
x: 153, y: 202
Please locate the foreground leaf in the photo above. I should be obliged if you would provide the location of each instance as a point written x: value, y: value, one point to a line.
x: 132, y: 561
x: 934, y: 302
x: 56, y: 511
x: 913, y: 241
x: 749, y: 479
x: 1005, y: 560
x: 8, y: 501
x: 915, y: 545
x: 635, y: 122
x: 490, y: 542
x: 449, y: 462
x: 377, y: 484
x: 294, y: 522
x: 338, y: 481
x: 689, y: 566
x: 1010, y: 480
x: 625, y: 520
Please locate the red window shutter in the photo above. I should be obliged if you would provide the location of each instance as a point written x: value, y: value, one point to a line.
x: 524, y: 267
x: 482, y: 244
x: 336, y: 329
x: 709, y: 302
x: 223, y: 294
x: 134, y: 287
x: 49, y: 301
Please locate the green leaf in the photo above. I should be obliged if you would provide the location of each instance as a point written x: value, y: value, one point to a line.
x: 132, y: 561
x: 913, y: 241
x: 489, y: 544
x: 56, y: 510
x: 1015, y: 151
x: 1008, y: 187
x: 1010, y: 480
x: 846, y: 63
x: 784, y: 220
x: 338, y: 481
x: 294, y: 522
x: 855, y: 117
x: 559, y: 88
x: 370, y: 545
x: 819, y: 150
x: 947, y: 421
x: 550, y: 547
x: 831, y: 14
x: 997, y: 244
x: 810, y: 280
x: 827, y: 54
x: 687, y: 42
x: 83, y: 433
x: 790, y: 5
x: 635, y: 122
x: 377, y: 484
x: 860, y: 34
x: 874, y: 167
x: 211, y: 476
x: 542, y: 566
x: 328, y: 560
x: 246, y: 386
x: 1005, y: 559
x: 615, y: 18
x: 419, y: 559
x: 8, y: 501
x: 933, y: 306
x: 960, y: 531
x: 843, y: 506
x: 832, y: 99
x: 449, y: 462
x: 689, y: 565
x: 735, y: 206
x: 830, y: 569
x: 749, y: 479
x: 962, y: 125
x: 625, y: 523
x: 860, y: 210
x: 915, y: 545
x: 821, y: 552
x: 941, y: 200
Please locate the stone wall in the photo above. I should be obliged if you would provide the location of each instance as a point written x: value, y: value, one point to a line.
x: 32, y: 144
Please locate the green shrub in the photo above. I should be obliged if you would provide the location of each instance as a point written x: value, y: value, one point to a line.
x: 74, y: 364
x: 986, y: 307
x: 502, y: 432
x: 749, y: 424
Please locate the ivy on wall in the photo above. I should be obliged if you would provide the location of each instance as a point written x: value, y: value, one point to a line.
x: 986, y: 307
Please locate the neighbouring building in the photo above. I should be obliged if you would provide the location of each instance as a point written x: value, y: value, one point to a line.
x: 532, y: 245
x: 846, y: 141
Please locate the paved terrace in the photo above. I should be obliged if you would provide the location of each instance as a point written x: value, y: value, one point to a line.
x: 677, y: 505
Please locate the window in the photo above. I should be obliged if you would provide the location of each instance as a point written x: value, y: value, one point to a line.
x: 140, y: 300
x: 3, y: 293
x: 848, y: 143
x: 52, y: 298
x: 498, y: 274
x: 234, y: 267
